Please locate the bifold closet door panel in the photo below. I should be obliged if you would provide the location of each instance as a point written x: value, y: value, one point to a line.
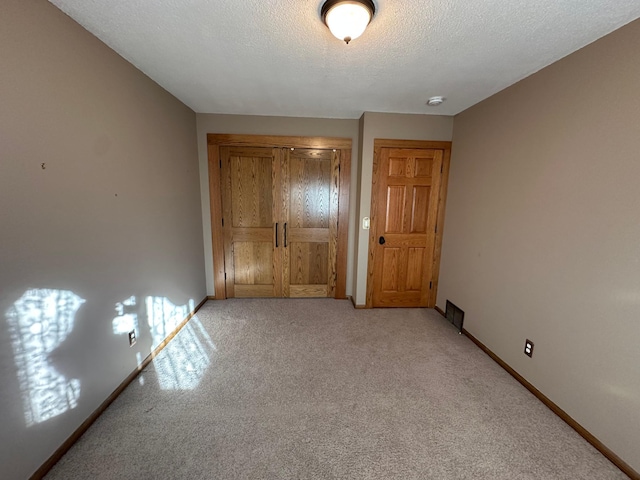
x: 310, y: 180
x: 250, y: 200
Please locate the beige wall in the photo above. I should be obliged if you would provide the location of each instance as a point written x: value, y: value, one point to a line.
x: 115, y: 214
x: 395, y: 126
x: 257, y: 125
x: 542, y: 237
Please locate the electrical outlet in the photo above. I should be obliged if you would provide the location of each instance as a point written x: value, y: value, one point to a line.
x: 132, y: 338
x: 528, y: 348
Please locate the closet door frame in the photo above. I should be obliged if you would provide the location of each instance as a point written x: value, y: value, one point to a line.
x: 216, y: 141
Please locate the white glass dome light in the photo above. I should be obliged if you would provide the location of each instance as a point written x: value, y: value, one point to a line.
x: 347, y: 19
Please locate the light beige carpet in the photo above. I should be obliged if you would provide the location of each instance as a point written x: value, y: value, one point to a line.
x: 314, y: 389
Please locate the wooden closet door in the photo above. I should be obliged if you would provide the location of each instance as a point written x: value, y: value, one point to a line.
x: 408, y: 182
x: 250, y: 203
x: 310, y: 182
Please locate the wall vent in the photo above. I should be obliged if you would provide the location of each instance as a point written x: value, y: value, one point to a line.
x: 455, y: 315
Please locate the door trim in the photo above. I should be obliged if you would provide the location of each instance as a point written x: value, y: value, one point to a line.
x: 215, y: 141
x: 378, y: 144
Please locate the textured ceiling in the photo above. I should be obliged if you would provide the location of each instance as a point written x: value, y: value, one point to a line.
x: 276, y: 57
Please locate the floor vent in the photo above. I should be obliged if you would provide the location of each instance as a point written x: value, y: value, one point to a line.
x: 454, y: 315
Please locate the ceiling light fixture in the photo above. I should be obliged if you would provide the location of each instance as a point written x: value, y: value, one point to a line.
x: 347, y: 19
x: 435, y: 101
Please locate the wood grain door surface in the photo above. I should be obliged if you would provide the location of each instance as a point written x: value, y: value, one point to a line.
x: 283, y: 209
x: 310, y: 213
x: 250, y: 199
x: 408, y: 183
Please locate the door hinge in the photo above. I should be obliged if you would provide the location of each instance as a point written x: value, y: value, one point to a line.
x: 441, y: 168
x: 430, y: 285
x: 225, y: 277
x: 220, y: 163
x: 223, y: 222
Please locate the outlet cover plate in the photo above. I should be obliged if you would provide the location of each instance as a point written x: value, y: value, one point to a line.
x: 528, y: 348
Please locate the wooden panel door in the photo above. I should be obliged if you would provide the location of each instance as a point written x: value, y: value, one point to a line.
x: 250, y: 200
x: 265, y: 187
x: 310, y: 182
x: 408, y: 185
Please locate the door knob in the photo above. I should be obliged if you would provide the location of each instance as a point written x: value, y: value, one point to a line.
x: 381, y: 240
